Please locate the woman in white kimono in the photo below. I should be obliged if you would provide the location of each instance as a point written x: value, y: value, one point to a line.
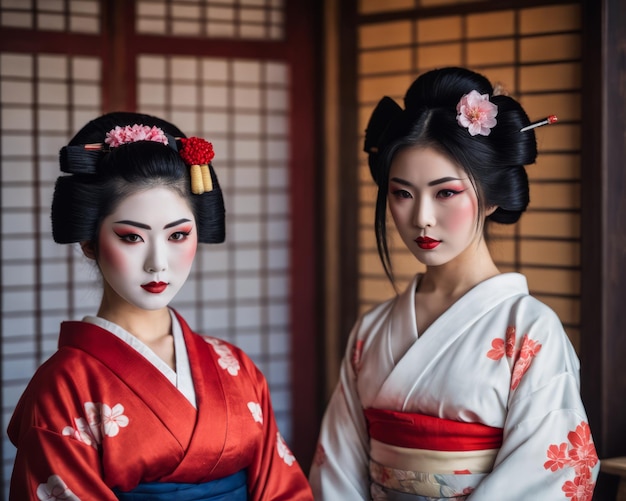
x: 463, y: 386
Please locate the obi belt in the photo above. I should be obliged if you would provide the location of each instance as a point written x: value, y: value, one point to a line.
x: 231, y: 488
x: 414, y: 457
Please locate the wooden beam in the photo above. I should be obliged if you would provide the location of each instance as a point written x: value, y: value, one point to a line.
x: 603, y: 241
x: 303, y: 29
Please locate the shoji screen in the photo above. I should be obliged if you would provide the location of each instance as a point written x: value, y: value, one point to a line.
x: 535, y: 53
x: 238, y: 290
x: 44, y: 99
x: 244, y: 19
x: 239, y: 97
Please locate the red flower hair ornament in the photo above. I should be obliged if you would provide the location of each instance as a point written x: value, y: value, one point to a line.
x: 197, y: 153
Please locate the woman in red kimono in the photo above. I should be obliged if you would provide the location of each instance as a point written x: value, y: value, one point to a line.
x: 134, y: 405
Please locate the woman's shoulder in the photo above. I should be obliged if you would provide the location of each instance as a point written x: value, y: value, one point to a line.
x: 533, y: 311
x: 537, y: 322
x: 512, y: 288
x: 226, y: 353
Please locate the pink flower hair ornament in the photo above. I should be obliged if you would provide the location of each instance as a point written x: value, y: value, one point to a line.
x: 133, y: 133
x: 196, y: 152
x: 476, y: 113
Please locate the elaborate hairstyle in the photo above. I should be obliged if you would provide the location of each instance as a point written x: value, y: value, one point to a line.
x: 99, y: 177
x: 493, y: 162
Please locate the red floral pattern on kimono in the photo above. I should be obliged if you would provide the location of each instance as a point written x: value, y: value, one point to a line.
x: 581, y: 456
x: 523, y: 358
x: 356, y: 355
x: 499, y: 348
x: 526, y: 381
x: 320, y: 455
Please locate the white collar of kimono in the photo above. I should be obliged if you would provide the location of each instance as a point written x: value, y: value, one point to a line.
x: 483, y: 296
x: 181, y: 378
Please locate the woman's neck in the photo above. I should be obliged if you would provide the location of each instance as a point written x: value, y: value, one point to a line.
x: 456, y: 277
x: 146, y: 325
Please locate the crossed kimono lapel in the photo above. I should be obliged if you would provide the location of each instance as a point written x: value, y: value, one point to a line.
x: 415, y: 356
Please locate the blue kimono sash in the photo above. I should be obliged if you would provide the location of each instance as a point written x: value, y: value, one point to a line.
x: 231, y: 488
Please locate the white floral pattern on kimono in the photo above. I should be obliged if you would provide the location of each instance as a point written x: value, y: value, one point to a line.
x: 256, y: 411
x: 100, y: 419
x: 55, y: 490
x: 283, y: 450
x: 226, y: 360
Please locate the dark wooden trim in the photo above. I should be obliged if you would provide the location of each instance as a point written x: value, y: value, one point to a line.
x: 615, y: 223
x: 119, y: 64
x: 24, y: 40
x: 603, y: 219
x: 245, y: 49
x: 303, y: 29
x: 592, y: 324
x: 120, y: 22
x: 457, y: 9
x: 349, y: 170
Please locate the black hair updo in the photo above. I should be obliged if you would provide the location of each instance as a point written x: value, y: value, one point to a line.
x: 494, y: 163
x: 97, y: 180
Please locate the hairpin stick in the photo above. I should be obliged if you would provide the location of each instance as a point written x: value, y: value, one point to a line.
x: 544, y: 121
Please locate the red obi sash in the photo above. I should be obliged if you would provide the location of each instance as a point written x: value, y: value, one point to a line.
x: 419, y: 431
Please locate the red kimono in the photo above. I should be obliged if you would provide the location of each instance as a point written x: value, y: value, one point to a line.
x: 98, y: 415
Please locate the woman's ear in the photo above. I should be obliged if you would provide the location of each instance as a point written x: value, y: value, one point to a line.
x: 490, y: 210
x: 88, y: 249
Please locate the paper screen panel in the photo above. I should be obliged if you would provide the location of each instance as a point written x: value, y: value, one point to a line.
x: 44, y: 100
x: 237, y: 291
x: 243, y: 19
x: 77, y: 16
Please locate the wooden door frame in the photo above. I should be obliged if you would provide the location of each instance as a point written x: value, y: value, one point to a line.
x: 603, y: 220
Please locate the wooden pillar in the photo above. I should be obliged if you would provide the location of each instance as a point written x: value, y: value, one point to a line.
x: 603, y: 192
x: 118, y: 63
x: 303, y: 26
x: 349, y: 168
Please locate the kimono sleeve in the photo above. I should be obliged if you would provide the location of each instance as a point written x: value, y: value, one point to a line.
x: 547, y: 450
x: 274, y: 474
x: 53, y: 465
x: 340, y: 466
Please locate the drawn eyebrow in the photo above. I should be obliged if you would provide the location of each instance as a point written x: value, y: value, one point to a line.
x: 134, y: 223
x: 401, y: 181
x: 431, y: 183
x: 176, y: 223
x: 444, y: 180
x: 146, y: 227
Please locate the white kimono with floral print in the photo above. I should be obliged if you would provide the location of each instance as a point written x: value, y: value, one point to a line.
x: 498, y: 357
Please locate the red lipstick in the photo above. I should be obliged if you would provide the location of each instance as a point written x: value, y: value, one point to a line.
x: 427, y: 243
x: 155, y: 287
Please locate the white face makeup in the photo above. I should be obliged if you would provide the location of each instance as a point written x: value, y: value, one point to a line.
x: 433, y: 204
x: 146, y: 247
